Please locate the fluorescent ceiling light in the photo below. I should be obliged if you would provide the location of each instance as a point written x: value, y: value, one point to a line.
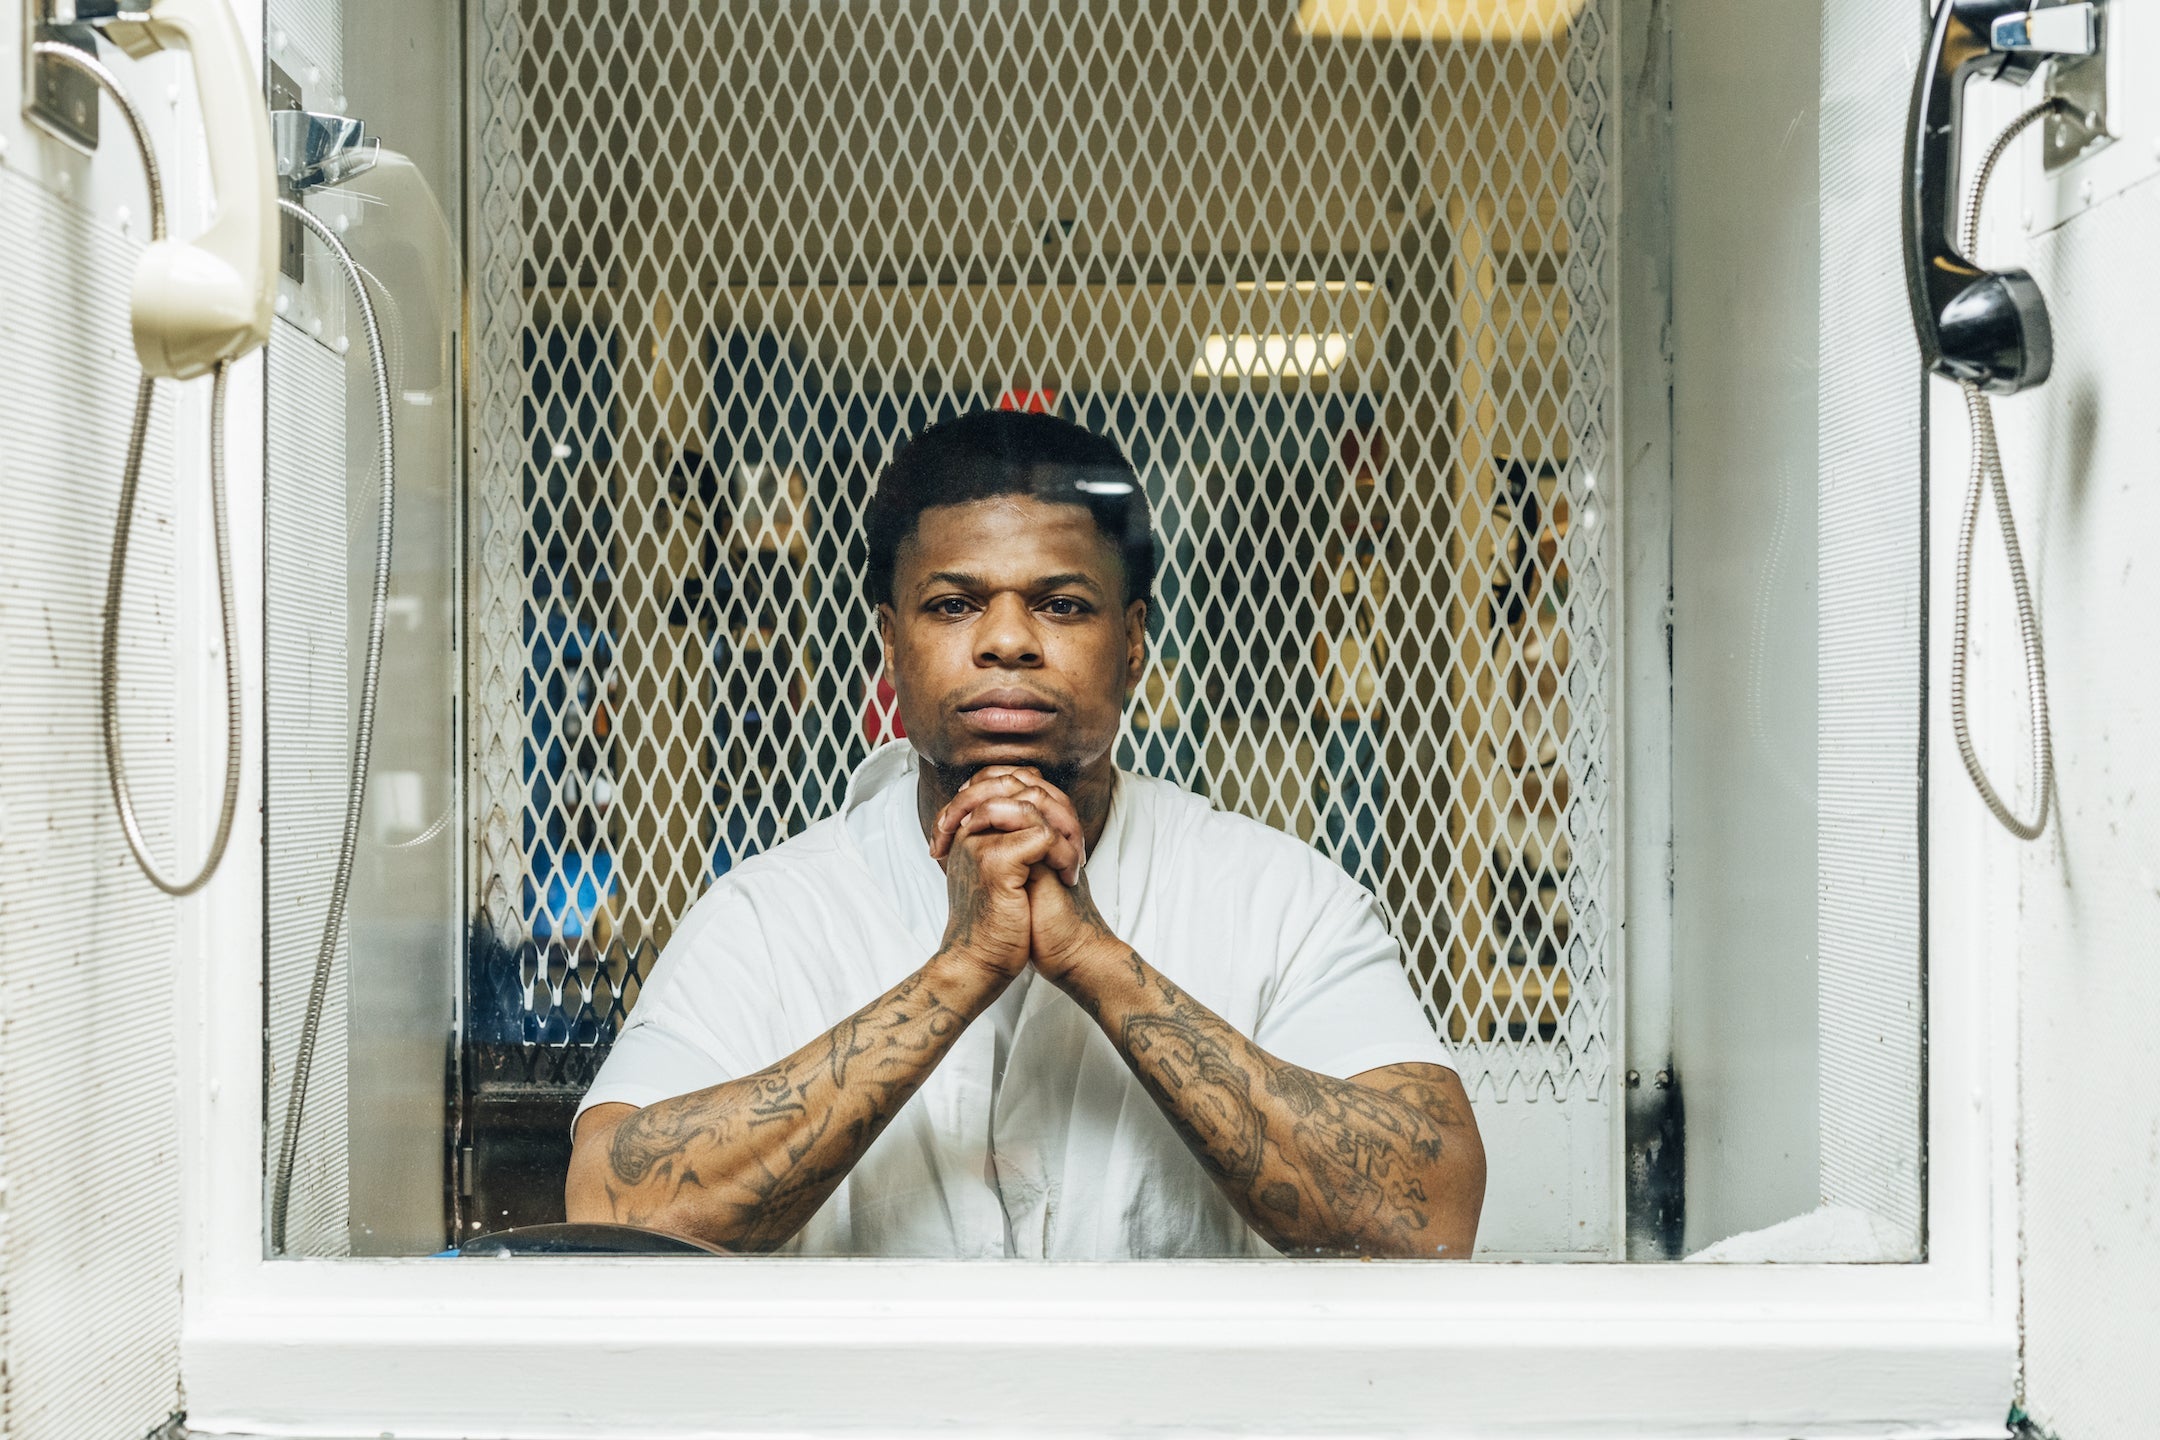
x: 1332, y: 287
x: 1437, y: 19
x: 1300, y: 354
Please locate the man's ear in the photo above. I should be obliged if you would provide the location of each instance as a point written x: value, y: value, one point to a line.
x: 888, y: 631
x: 1135, y: 643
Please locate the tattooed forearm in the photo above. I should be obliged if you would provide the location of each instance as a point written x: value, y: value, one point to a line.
x: 746, y: 1163
x: 1315, y: 1164
x: 1205, y: 1093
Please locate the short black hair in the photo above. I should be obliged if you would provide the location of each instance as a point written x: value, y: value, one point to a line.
x: 990, y: 453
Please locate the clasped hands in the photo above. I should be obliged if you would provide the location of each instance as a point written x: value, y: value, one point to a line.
x: 1014, y: 854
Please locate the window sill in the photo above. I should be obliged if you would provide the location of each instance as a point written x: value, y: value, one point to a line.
x: 677, y: 1348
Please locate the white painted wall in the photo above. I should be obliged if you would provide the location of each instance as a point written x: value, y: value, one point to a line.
x: 91, y: 957
x: 2083, y: 457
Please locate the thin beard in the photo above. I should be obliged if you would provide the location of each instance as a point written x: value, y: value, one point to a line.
x: 949, y: 780
x: 1064, y: 777
x: 945, y: 781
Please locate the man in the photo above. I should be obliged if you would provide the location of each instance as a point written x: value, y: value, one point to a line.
x: 1114, y: 1022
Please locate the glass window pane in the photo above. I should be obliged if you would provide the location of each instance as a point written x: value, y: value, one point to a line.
x: 1342, y: 283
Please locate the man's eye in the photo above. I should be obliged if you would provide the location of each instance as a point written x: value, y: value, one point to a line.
x: 1064, y: 605
x: 949, y: 605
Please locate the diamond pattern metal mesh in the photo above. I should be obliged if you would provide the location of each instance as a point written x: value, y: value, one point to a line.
x: 1344, y: 301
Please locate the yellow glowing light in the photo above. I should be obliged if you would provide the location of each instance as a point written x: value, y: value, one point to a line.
x: 1305, y: 287
x: 1281, y: 354
x: 1437, y: 19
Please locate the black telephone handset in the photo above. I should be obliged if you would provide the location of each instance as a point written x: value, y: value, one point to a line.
x: 1986, y: 327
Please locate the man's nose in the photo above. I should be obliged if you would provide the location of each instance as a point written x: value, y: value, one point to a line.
x: 1006, y: 638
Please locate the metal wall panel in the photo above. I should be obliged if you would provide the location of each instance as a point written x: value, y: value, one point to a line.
x: 1869, y: 636
x: 393, y: 65
x: 307, y: 37
x: 307, y: 755
x: 89, y: 1092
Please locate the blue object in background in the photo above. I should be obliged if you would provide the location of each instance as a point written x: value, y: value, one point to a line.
x: 564, y: 905
x: 570, y: 516
x: 745, y: 821
x: 571, y: 865
x: 772, y: 406
x: 566, y: 666
x: 570, y: 895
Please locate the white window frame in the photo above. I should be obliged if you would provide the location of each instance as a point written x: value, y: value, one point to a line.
x: 700, y: 1347
x: 661, y: 1347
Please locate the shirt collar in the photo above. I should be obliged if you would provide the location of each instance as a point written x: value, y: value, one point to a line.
x: 889, y: 764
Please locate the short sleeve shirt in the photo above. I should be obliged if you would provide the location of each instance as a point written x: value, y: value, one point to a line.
x: 1031, y: 1138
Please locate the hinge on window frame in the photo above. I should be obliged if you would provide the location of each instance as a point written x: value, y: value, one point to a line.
x: 1656, y: 1165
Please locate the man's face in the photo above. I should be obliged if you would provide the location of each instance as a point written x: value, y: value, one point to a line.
x: 1008, y: 639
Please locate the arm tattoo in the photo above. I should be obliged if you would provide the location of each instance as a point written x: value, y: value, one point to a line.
x: 1208, y: 1098
x: 747, y: 1163
x: 1315, y: 1164
x: 969, y: 899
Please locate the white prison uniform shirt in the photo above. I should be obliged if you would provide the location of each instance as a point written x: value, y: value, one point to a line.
x: 1031, y: 1138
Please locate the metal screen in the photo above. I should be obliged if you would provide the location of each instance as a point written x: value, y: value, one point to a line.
x: 1341, y: 292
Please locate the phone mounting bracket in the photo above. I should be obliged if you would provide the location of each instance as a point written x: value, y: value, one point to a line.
x: 2109, y: 138
x: 2074, y: 38
x: 57, y: 98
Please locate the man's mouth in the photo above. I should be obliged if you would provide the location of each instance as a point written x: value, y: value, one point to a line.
x: 1010, y: 711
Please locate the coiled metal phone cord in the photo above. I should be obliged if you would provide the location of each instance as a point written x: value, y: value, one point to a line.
x: 1987, y: 476
x: 124, y: 529
x: 363, y: 739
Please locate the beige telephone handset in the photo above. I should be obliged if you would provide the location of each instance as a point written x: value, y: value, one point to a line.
x: 196, y: 307
x: 198, y: 303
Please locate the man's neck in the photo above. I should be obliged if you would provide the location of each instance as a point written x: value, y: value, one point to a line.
x: 1091, y: 793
